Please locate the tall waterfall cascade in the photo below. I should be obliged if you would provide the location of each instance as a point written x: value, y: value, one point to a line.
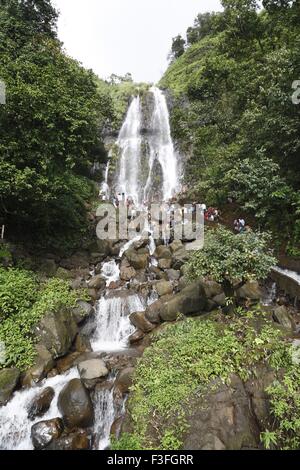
x: 111, y: 324
x: 144, y: 150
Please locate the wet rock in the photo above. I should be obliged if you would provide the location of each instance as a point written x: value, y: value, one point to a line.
x: 250, y: 290
x: 43, y: 364
x: 173, y: 275
x: 44, y: 432
x: 180, y: 257
x: 75, y: 405
x: 137, y: 261
x: 139, y: 320
x: 82, y: 311
x: 282, y: 316
x: 67, y: 362
x: 57, y: 331
x: 136, y: 337
x: 78, y: 440
x: 9, y: 379
x: 152, y: 312
x: 97, y: 282
x: 92, y: 371
x: 163, y: 252
x: 164, y: 288
x: 124, y: 380
x: 94, y: 294
x: 41, y: 403
x: 82, y: 344
x: 176, y: 245
x: 164, y: 263
x: 191, y: 300
x: 127, y: 272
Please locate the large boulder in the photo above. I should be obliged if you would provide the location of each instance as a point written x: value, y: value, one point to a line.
x: 97, y: 282
x: 164, y: 263
x: 191, y: 300
x: 163, y: 252
x: 44, y: 432
x: 77, y: 440
x: 82, y: 311
x: 139, y: 320
x: 173, y: 275
x: 163, y: 288
x: 176, y: 245
x: 137, y: 260
x: 251, y: 290
x: 57, y: 331
x: 43, y: 364
x: 9, y: 379
x: 282, y: 316
x: 124, y: 380
x: 75, y: 405
x: 92, y: 371
x: 223, y: 418
x: 212, y: 288
x: 136, y: 337
x: 41, y: 403
x: 127, y: 272
x: 180, y: 257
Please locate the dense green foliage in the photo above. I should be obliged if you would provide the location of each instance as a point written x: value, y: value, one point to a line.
x: 184, y: 360
x: 23, y: 302
x: 233, y: 113
x: 50, y: 127
x: 227, y: 257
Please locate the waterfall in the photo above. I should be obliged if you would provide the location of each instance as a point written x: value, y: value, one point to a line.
x: 129, y: 142
x: 104, y: 415
x: 112, y: 319
x: 15, y: 426
x: 110, y: 272
x: 162, y: 148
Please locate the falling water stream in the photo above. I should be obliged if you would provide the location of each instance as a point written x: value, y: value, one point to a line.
x: 113, y: 326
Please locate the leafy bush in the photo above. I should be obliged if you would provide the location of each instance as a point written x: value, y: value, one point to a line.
x: 227, y: 257
x: 18, y: 291
x: 23, y: 302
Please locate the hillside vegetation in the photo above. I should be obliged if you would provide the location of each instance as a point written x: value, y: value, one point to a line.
x: 233, y: 114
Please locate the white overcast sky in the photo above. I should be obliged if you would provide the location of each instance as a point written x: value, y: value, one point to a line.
x: 120, y: 36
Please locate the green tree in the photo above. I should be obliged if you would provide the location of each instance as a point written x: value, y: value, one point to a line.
x: 228, y: 258
x: 178, y: 47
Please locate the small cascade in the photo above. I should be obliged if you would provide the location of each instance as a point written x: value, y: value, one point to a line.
x: 111, y: 272
x: 288, y: 273
x: 15, y: 426
x: 105, y: 414
x: 112, y: 319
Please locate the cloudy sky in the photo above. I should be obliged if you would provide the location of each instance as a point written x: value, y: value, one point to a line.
x: 120, y: 36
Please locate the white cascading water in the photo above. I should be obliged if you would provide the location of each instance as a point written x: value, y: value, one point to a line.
x: 105, y: 414
x: 113, y: 324
x: 162, y: 148
x: 15, y: 427
x: 129, y: 142
x: 288, y: 273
